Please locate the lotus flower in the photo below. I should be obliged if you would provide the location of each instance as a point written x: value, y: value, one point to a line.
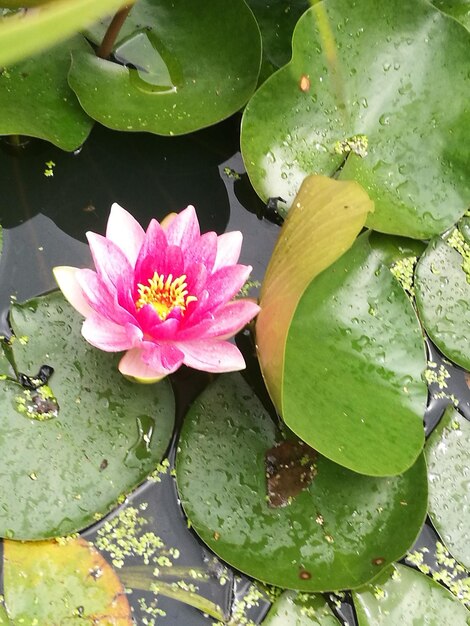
x: 163, y: 295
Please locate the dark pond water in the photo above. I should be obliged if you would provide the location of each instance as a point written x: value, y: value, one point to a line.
x: 45, y: 219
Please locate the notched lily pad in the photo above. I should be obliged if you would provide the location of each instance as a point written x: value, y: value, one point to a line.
x: 290, y: 468
x: 394, y: 75
x: 183, y: 68
x: 72, y: 446
x: 36, y: 100
x: 337, y: 534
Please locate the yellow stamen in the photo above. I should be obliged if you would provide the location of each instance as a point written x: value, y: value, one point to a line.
x: 164, y: 294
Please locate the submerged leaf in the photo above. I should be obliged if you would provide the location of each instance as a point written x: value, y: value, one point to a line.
x: 62, y: 582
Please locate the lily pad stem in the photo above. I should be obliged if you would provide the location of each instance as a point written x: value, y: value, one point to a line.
x: 111, y: 34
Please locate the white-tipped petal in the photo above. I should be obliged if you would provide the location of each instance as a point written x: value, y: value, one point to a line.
x: 66, y: 278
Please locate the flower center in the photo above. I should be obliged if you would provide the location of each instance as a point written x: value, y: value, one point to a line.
x: 164, y: 294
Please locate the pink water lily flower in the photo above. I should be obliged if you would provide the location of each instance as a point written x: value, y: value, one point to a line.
x: 163, y: 295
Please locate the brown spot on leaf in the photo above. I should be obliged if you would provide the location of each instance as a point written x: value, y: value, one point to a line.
x: 305, y: 574
x: 378, y: 561
x: 290, y: 468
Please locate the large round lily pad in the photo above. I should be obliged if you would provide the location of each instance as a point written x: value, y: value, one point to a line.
x: 448, y: 459
x: 379, y: 87
x: 63, y: 468
x: 443, y: 298
x: 354, y: 361
x: 338, y: 533
x: 186, y: 65
x: 408, y: 597
x: 69, y: 583
x: 35, y: 99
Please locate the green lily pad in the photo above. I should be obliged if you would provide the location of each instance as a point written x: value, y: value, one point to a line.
x: 354, y: 360
x: 459, y: 9
x: 35, y: 99
x: 323, y: 206
x: 69, y: 465
x: 300, y: 609
x: 447, y: 454
x: 408, y: 597
x: 385, y: 91
x: 443, y: 298
x: 47, y: 582
x: 192, y: 64
x: 337, y: 534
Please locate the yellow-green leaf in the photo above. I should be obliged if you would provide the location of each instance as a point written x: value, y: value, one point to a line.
x: 325, y: 218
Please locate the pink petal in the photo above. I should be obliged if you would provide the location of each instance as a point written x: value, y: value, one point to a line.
x: 229, y: 246
x: 152, y: 325
x: 225, y: 284
x: 228, y: 321
x: 110, y: 262
x: 183, y: 230
x: 152, y: 254
x: 203, y: 251
x: 215, y: 356
x: 66, y: 278
x: 125, y: 231
x: 109, y: 336
x: 163, y: 355
x: 132, y: 366
x: 102, y: 299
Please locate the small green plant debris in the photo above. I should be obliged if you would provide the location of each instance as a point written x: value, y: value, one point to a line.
x: 357, y: 144
x: 456, y: 240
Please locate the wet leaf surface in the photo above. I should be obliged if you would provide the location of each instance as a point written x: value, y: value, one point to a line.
x: 299, y: 609
x: 322, y: 207
x: 62, y: 583
x: 36, y: 101
x: 186, y: 70
x: 290, y: 468
x: 408, y: 597
x: 388, y: 82
x: 354, y: 360
x: 339, y: 533
x: 103, y: 440
x: 459, y: 9
x: 443, y: 300
x: 447, y: 454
